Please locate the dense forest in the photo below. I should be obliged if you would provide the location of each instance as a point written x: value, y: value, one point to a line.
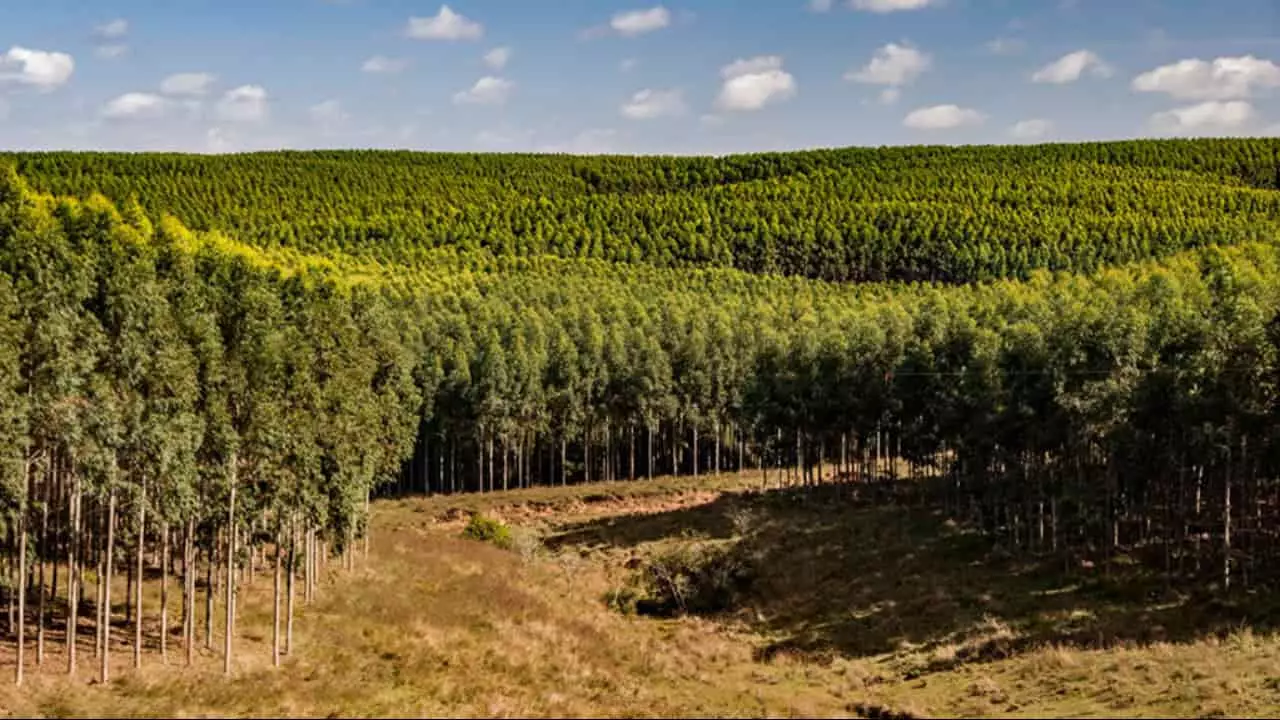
x: 920, y: 213
x: 215, y: 365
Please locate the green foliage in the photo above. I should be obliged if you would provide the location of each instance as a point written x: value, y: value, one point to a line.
x: 916, y: 213
x: 490, y: 530
x: 690, y: 579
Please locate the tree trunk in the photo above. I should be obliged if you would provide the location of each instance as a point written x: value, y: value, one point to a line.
x: 164, y: 592
x: 293, y: 561
x: 189, y: 590
x: 231, y: 577
x: 104, y: 673
x: 22, y: 574
x: 44, y: 552
x: 73, y: 577
x: 142, y: 536
x: 275, y: 604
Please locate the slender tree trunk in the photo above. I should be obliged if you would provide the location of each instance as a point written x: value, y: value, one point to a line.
x: 164, y: 592
x: 231, y: 577
x: 73, y: 577
x: 695, y: 451
x: 631, y: 461
x: 293, y: 561
x: 22, y: 575
x: 44, y: 553
x: 104, y: 672
x: 648, y: 466
x: 275, y: 603
x: 189, y: 591
x: 141, y: 543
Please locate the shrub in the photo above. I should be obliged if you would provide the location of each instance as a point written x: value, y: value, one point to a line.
x: 694, y: 580
x: 490, y: 530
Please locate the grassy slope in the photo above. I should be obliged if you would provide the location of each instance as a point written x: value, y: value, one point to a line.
x: 856, y: 605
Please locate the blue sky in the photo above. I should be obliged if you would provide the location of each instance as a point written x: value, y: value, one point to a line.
x: 691, y: 76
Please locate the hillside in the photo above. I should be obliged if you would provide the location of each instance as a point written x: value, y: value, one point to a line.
x: 929, y: 213
x: 189, y: 396
x: 850, y: 617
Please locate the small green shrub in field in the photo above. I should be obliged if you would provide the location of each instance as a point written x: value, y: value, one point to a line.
x: 490, y: 530
x: 691, y: 580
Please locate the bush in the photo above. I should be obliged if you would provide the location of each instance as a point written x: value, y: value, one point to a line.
x: 694, y: 580
x: 490, y: 530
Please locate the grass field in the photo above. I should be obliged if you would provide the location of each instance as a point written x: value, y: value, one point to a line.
x: 857, y: 607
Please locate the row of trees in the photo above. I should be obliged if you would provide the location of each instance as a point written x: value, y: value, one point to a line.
x: 933, y: 214
x: 165, y: 405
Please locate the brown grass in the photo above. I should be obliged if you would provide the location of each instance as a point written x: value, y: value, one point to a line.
x: 859, y: 607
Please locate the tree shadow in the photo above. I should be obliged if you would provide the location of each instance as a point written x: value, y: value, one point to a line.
x: 853, y: 572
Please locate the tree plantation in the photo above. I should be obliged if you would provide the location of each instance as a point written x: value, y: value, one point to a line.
x: 211, y: 368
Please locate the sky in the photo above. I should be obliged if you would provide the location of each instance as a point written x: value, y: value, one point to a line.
x: 624, y: 76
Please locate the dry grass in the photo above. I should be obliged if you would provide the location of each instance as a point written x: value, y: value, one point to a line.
x: 434, y: 625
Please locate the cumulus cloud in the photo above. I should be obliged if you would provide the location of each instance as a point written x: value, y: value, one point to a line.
x: 754, y: 83
x: 888, y: 6
x: 638, y: 22
x: 247, y: 103
x: 1211, y: 116
x: 112, y: 30
x: 39, y: 69
x: 1070, y: 67
x: 444, y: 25
x: 1226, y: 78
x: 382, y: 64
x: 649, y: 104
x: 187, y: 84
x: 135, y: 105
x: 892, y: 65
x: 942, y: 117
x: 1031, y: 129
x: 498, y: 58
x: 488, y: 90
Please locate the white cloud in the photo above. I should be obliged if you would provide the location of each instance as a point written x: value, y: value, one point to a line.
x: 892, y: 65
x: 888, y: 6
x: 820, y: 6
x: 649, y: 104
x: 498, y: 58
x: 247, y: 103
x: 135, y: 105
x: 445, y: 25
x: 942, y: 117
x: 1005, y: 46
x: 488, y: 90
x: 752, y: 84
x: 1031, y: 129
x: 628, y: 65
x: 639, y: 22
x: 187, y: 84
x: 1069, y: 68
x: 110, y: 52
x: 1226, y: 78
x: 382, y: 64
x: 1210, y: 116
x: 113, y: 30
x: 37, y: 68
x: 328, y: 114
x: 596, y: 141
x: 889, y: 96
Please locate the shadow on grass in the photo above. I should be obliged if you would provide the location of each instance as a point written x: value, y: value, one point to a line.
x: 856, y: 574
